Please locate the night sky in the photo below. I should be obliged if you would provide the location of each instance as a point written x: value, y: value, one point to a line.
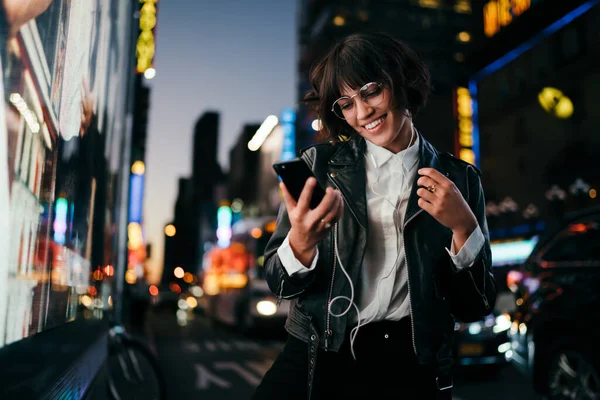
x: 235, y: 57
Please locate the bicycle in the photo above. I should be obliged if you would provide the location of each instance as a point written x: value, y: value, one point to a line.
x: 132, y: 369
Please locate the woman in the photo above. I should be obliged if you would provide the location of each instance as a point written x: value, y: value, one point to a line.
x: 394, y: 252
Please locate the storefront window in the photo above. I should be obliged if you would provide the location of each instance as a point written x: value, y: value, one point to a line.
x: 58, y: 122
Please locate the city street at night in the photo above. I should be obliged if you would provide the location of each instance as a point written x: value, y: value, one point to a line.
x: 409, y: 187
x: 208, y: 361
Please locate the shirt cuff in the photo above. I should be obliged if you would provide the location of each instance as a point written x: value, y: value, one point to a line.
x: 291, y: 263
x: 466, y: 256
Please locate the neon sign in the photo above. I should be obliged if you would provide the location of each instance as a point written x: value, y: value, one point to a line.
x: 500, y: 13
x: 224, y: 233
x: 60, y: 220
x: 288, y: 118
x: 145, y: 44
x: 464, y: 115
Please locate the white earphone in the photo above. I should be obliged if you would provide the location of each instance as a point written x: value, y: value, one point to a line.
x: 350, y: 299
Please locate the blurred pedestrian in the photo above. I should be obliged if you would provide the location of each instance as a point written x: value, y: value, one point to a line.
x: 396, y: 250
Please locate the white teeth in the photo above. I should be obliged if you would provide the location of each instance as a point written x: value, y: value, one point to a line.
x: 374, y: 123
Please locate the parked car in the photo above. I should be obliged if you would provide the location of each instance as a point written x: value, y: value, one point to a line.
x: 556, y: 326
x: 483, y: 342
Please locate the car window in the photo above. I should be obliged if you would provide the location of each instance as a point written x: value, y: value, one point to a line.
x: 579, y: 242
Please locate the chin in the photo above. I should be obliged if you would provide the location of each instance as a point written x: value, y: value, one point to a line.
x: 382, y: 139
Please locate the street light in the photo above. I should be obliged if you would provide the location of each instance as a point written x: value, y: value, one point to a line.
x: 170, y: 230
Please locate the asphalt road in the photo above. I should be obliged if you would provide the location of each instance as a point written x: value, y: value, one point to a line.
x: 208, y: 361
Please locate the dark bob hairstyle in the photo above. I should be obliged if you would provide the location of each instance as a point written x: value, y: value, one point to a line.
x: 359, y: 59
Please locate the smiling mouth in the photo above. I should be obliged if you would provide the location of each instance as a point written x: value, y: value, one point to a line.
x: 375, y: 123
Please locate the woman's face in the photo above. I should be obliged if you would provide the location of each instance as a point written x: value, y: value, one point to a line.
x: 377, y: 121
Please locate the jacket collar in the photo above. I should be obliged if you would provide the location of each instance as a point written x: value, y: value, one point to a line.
x: 352, y: 181
x: 350, y: 152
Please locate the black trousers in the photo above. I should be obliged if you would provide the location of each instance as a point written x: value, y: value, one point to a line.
x: 385, y: 368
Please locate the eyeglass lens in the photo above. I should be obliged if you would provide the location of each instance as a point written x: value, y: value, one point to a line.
x: 371, y: 93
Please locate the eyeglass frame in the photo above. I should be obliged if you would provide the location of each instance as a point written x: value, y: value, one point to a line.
x: 366, y: 85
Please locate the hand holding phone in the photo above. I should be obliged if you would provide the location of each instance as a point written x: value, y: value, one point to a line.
x: 310, y: 219
x: 294, y: 173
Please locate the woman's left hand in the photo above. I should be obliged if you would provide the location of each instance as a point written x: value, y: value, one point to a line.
x: 443, y: 201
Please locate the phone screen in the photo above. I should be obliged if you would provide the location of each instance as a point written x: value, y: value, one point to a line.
x: 294, y: 174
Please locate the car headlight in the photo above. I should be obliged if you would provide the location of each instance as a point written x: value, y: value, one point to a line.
x: 502, y: 323
x: 475, y: 328
x: 266, y: 307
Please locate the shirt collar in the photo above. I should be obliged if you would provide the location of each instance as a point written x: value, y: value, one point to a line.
x: 381, y: 155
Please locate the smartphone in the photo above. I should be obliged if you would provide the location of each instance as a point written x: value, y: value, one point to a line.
x: 294, y: 174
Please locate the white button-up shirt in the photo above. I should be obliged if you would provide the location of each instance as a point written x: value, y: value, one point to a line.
x: 384, y: 281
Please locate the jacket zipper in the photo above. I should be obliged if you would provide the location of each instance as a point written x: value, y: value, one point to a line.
x: 280, y: 297
x: 412, y: 326
x: 328, y: 316
x: 483, y: 296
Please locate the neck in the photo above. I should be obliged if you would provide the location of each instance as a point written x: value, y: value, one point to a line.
x: 405, y: 137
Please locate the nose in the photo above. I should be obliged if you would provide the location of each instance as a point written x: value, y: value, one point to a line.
x: 363, y: 110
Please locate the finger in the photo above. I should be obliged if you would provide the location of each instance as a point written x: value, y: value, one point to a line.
x: 331, y: 216
x: 425, y: 205
x: 325, y: 205
x: 426, y: 181
x: 306, y: 194
x: 290, y: 203
x: 341, y: 207
x: 434, y: 174
x: 426, y: 195
x: 324, y: 225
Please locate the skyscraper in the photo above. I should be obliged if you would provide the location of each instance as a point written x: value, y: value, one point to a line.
x: 206, y: 171
x: 243, y: 173
x: 206, y: 175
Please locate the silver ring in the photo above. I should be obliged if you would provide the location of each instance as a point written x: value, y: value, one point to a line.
x: 327, y: 224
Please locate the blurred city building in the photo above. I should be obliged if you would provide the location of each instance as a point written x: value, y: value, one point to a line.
x: 207, y: 179
x: 195, y: 216
x: 181, y: 233
x: 253, y: 186
x: 242, y: 181
x: 443, y: 32
x: 532, y: 97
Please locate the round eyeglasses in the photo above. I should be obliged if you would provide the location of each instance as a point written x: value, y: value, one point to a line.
x: 345, y: 107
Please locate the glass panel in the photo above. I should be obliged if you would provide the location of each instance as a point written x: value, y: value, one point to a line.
x: 59, y: 121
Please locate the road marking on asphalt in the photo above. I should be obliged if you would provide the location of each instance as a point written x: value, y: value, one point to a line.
x: 250, y: 378
x: 225, y: 346
x: 204, y: 378
x: 191, y: 346
x: 210, y: 346
x: 229, y: 345
x: 246, y: 345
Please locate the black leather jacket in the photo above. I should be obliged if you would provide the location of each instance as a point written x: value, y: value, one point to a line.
x: 438, y: 293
